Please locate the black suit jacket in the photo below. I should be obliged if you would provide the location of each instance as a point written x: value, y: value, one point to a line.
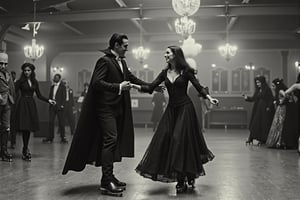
x: 107, y: 77
x: 60, y: 96
x: 103, y: 89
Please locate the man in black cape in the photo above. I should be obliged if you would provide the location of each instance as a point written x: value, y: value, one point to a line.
x: 104, y: 132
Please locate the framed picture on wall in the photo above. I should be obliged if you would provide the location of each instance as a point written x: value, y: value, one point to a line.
x: 134, y: 103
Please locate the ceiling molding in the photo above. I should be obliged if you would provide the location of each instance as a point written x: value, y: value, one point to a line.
x: 15, y: 39
x: 75, y: 30
x: 151, y: 13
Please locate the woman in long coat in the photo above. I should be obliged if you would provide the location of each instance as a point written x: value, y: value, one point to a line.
x: 26, y: 115
x: 262, y: 112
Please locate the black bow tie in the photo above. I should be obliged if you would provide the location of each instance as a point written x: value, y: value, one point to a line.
x: 119, y: 58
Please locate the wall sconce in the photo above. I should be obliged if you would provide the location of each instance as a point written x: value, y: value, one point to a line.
x: 145, y: 66
x: 57, y: 69
x: 297, y: 65
x: 250, y: 66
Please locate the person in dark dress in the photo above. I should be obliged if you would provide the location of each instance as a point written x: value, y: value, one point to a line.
x: 104, y: 133
x: 275, y: 139
x: 178, y: 149
x: 26, y: 115
x: 158, y: 102
x: 262, y: 112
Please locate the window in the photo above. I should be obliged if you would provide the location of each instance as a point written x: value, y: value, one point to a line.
x: 240, y: 80
x: 84, y: 76
x: 219, y: 81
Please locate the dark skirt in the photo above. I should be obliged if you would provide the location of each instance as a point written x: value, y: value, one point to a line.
x: 26, y: 115
x: 157, y: 113
x: 275, y: 134
x: 177, y: 147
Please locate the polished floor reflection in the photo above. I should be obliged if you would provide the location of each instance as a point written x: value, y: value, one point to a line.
x: 238, y: 172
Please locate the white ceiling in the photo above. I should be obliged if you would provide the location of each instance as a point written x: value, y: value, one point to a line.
x: 86, y: 25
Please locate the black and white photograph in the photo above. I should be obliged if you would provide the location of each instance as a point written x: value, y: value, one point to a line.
x: 150, y: 99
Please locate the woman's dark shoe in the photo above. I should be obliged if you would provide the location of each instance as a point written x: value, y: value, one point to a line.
x: 26, y: 155
x: 181, y: 187
x: 260, y: 143
x: 191, y: 182
x: 249, y: 142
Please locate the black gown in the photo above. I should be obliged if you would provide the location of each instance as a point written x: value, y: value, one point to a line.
x: 178, y: 146
x: 158, y: 109
x: 261, y: 117
x: 26, y: 114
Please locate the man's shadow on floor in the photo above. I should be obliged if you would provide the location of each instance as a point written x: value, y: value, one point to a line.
x: 87, y: 190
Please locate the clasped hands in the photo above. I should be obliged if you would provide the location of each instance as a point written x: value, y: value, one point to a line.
x: 52, y: 102
x: 126, y: 85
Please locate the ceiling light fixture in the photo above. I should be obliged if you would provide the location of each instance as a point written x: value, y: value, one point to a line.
x: 141, y: 53
x: 227, y: 50
x: 34, y: 51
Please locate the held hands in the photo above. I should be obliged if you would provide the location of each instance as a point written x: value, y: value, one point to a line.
x: 125, y: 85
x: 52, y: 102
x: 135, y: 86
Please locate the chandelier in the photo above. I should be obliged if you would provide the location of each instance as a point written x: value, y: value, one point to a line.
x: 185, y: 26
x: 141, y: 53
x: 227, y: 50
x: 186, y: 7
x: 34, y: 51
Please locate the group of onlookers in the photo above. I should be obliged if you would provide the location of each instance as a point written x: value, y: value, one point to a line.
x: 275, y: 116
x: 18, y: 110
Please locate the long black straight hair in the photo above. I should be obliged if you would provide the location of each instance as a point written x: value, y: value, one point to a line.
x: 180, y: 63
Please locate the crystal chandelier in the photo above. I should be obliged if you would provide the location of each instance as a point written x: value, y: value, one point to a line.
x: 34, y: 51
x: 227, y: 50
x: 185, y: 26
x: 141, y: 53
x: 186, y: 7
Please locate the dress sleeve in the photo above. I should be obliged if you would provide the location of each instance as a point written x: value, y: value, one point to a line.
x: 202, y: 91
x: 39, y: 95
x: 158, y: 80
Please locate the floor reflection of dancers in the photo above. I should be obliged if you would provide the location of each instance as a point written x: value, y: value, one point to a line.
x: 178, y: 149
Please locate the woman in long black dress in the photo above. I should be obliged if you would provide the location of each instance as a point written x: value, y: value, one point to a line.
x: 262, y: 112
x: 26, y: 112
x: 178, y: 149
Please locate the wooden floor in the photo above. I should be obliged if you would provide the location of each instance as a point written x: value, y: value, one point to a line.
x: 238, y: 172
